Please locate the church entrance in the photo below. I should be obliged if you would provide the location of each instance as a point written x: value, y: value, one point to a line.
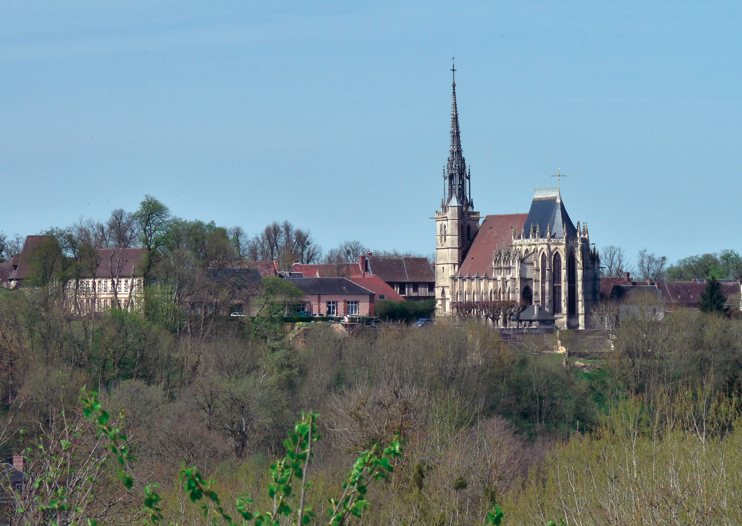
x: 571, y: 285
x: 526, y: 297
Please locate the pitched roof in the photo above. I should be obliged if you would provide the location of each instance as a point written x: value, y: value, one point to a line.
x: 5, y: 269
x: 266, y: 268
x: 398, y: 269
x: 22, y: 262
x: 378, y: 286
x: 547, y: 209
x: 494, y: 231
x: 607, y: 284
x: 119, y: 262
x: 333, y: 270
x: 334, y: 286
x: 689, y: 293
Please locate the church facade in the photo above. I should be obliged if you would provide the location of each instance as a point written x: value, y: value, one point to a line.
x: 491, y: 267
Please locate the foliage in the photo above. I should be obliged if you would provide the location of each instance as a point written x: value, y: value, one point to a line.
x: 727, y: 264
x: 712, y: 299
x: 407, y: 311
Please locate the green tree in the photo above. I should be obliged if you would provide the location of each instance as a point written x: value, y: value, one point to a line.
x: 153, y: 219
x: 712, y: 300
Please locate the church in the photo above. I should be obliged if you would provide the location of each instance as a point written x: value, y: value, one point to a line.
x: 492, y: 267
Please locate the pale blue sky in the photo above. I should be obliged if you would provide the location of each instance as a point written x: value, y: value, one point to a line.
x: 336, y: 115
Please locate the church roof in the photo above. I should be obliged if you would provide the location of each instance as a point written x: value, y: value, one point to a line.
x: 494, y: 231
x: 547, y: 208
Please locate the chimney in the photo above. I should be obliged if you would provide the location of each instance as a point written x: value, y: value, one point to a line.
x: 626, y: 276
x: 18, y: 462
x: 362, y: 264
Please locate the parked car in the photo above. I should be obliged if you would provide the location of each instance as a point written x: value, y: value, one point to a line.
x: 304, y: 313
x: 422, y: 322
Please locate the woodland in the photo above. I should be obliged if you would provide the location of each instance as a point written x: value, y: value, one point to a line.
x: 640, y: 427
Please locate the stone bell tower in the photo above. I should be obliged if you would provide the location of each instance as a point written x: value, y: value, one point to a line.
x: 456, y: 223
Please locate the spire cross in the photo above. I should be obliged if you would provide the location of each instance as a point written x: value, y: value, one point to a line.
x: 453, y: 68
x: 559, y: 176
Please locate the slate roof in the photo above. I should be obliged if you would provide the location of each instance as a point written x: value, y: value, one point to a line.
x: 494, y: 231
x: 548, y: 209
x: 395, y: 269
x: 378, y: 286
x: 329, y: 286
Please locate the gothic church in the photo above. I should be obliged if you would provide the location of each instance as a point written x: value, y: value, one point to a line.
x: 540, y: 258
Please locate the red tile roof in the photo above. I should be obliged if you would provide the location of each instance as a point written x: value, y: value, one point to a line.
x: 494, y: 231
x: 607, y: 284
x: 378, y: 286
x: 689, y: 293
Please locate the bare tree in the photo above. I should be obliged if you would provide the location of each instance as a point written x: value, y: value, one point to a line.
x: 13, y: 246
x: 651, y: 267
x: 90, y: 232
x: 273, y: 234
x: 123, y: 230
x: 239, y: 240
x: 614, y: 260
x: 346, y: 252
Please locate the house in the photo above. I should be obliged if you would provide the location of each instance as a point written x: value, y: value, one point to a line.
x: 674, y: 294
x: 335, y: 296
x: 116, y: 282
x: 411, y: 278
x: 379, y: 287
x: 225, y: 290
x: 22, y: 264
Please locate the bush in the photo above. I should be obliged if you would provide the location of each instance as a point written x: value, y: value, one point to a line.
x: 406, y: 311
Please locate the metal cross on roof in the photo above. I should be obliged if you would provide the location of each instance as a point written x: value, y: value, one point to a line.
x: 559, y: 176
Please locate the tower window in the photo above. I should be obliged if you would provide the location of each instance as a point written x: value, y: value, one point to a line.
x: 556, y: 273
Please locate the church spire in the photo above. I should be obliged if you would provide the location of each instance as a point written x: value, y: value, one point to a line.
x: 456, y: 173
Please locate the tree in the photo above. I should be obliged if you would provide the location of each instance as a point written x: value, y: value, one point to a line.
x: 614, y: 260
x: 346, y: 252
x: 12, y: 247
x: 153, y: 219
x: 712, y: 299
x: 651, y: 267
x: 123, y: 229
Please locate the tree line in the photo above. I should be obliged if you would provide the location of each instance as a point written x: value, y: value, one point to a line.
x: 726, y: 264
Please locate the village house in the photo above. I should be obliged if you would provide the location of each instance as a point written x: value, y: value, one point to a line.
x: 334, y: 297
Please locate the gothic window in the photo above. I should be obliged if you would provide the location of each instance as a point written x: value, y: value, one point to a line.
x: 526, y: 297
x: 556, y: 274
x: 571, y: 285
x: 444, y: 233
x: 543, y: 280
x: 468, y: 232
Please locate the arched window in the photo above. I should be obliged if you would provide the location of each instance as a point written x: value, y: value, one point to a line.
x: 543, y: 281
x: 556, y: 275
x: 571, y: 284
x: 468, y: 232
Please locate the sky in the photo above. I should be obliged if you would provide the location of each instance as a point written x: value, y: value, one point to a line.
x: 336, y: 115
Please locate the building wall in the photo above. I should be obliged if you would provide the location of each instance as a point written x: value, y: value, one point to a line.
x: 87, y: 296
x: 318, y: 303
